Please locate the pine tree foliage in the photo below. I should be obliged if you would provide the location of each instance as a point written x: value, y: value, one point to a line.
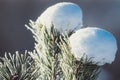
x: 48, y: 53
x: 54, y: 57
x: 77, y: 69
x: 17, y: 67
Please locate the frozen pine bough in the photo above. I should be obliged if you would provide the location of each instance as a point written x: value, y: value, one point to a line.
x: 60, y: 57
x: 57, y: 55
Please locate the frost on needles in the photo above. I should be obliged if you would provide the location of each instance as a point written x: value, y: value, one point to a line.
x: 63, y: 49
x: 54, y: 57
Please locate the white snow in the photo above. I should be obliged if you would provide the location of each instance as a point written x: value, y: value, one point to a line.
x: 94, y: 42
x: 65, y: 17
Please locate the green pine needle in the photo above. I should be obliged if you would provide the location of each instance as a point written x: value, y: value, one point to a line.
x: 55, y: 59
x: 17, y: 67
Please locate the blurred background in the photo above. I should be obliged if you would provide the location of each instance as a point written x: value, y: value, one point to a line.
x: 14, y: 14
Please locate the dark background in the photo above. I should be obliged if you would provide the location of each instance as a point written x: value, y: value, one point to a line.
x: 14, y: 14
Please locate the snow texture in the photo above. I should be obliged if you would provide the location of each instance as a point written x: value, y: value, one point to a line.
x: 97, y: 43
x: 65, y: 17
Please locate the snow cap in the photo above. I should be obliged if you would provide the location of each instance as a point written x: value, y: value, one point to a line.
x: 65, y: 17
x: 95, y: 42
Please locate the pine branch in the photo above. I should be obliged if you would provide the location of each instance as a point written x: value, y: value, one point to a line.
x: 17, y: 67
x: 74, y: 69
x: 55, y: 59
x: 47, y: 53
